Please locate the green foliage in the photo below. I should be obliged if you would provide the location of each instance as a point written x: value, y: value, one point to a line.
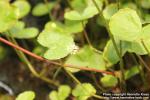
x: 19, y: 31
x: 39, y: 50
x: 109, y: 11
x: 8, y: 16
x: 62, y: 37
x: 78, y: 4
x: 87, y: 13
x: 132, y: 72
x: 85, y: 10
x: 83, y: 91
x: 73, y: 26
x: 42, y: 9
x: 145, y: 32
x: 68, y: 27
x: 129, y: 19
x: 62, y: 94
x: 27, y: 95
x: 111, y: 56
x: 145, y: 4
x: 125, y: 25
x: 86, y: 57
x: 109, y: 81
x: 60, y: 44
x: 146, y: 18
x: 23, y: 6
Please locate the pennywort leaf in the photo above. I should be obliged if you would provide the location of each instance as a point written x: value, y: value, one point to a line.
x: 87, y: 13
x: 8, y: 16
x: 58, y: 43
x: 62, y: 94
x: 145, y: 4
x: 69, y: 27
x: 86, y: 57
x: 42, y: 9
x: 83, y: 91
x: 27, y: 95
x: 23, y: 6
x: 109, y: 81
x: 19, y: 31
x: 125, y: 25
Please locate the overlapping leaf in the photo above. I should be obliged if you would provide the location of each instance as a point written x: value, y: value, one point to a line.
x: 62, y: 94
x: 58, y: 42
x: 68, y: 27
x: 42, y: 9
x: 27, y: 95
x: 109, y: 11
x: 83, y: 91
x: 19, y: 31
x: 87, y: 12
x: 145, y: 4
x: 125, y: 25
x: 111, y: 56
x: 8, y: 16
x: 109, y: 81
x: 23, y: 6
x: 86, y: 57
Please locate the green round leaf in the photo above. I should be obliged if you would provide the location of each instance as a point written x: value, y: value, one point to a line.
x: 27, y: 95
x: 86, y: 57
x: 109, y: 81
x: 62, y: 94
x: 8, y: 16
x: 23, y: 6
x: 59, y: 44
x: 125, y: 25
x: 53, y: 95
x: 42, y: 9
x: 145, y: 4
x: 60, y: 50
x: 18, y: 32
x: 73, y: 15
x: 55, y: 27
x: 27, y: 33
x: 83, y: 91
x: 73, y: 26
x: 86, y: 14
x: 18, y: 26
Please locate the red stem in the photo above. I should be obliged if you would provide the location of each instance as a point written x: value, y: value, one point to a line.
x: 56, y: 63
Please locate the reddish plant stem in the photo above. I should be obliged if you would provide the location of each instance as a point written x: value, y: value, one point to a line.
x: 52, y: 62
